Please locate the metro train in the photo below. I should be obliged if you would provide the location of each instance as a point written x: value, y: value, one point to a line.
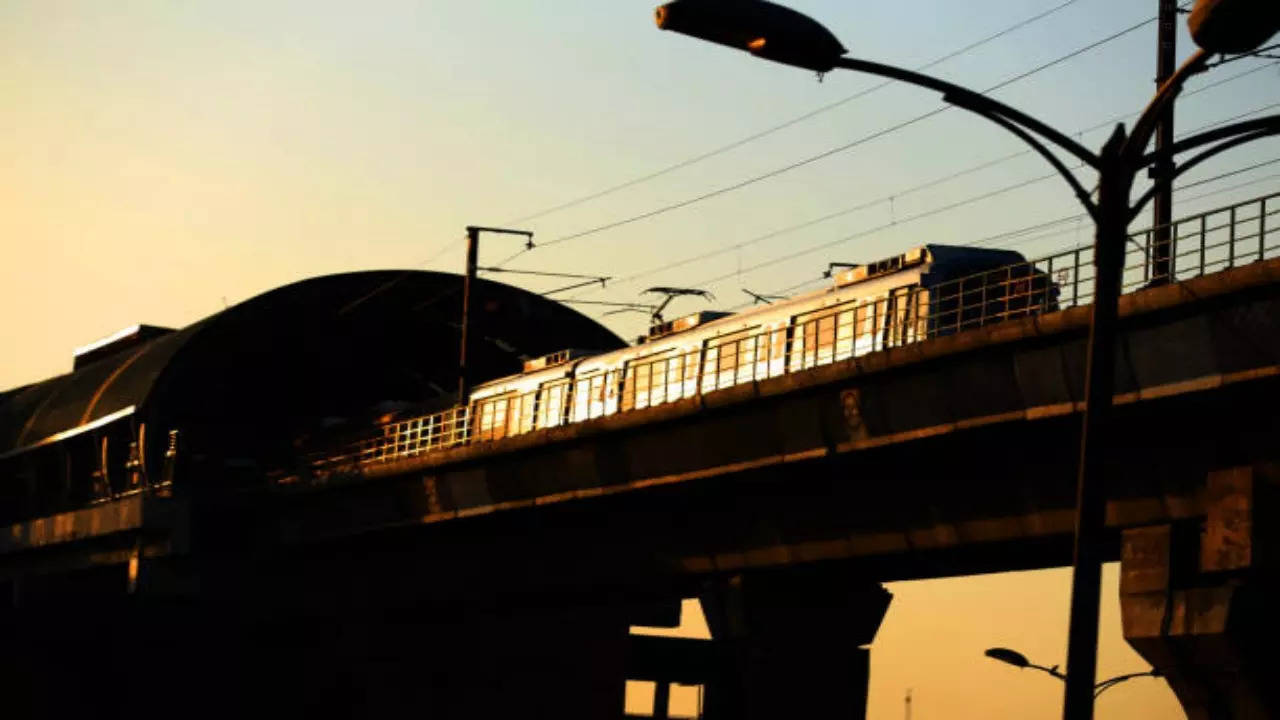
x: 926, y: 292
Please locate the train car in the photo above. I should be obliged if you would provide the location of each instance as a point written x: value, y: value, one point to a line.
x: 925, y: 292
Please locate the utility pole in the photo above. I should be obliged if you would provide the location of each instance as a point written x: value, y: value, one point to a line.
x: 468, y: 289
x: 1162, y: 204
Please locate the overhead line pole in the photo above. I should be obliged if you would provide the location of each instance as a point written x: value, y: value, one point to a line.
x: 468, y: 289
x: 1160, y: 243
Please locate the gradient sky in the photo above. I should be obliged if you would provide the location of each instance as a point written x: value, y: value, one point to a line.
x: 160, y: 160
x: 932, y: 639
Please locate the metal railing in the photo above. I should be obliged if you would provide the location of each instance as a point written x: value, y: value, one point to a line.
x: 1200, y: 244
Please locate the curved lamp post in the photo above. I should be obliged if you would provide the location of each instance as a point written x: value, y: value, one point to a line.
x: 1017, y: 659
x: 782, y: 35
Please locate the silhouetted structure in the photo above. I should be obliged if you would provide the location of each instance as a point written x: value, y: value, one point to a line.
x: 497, y: 578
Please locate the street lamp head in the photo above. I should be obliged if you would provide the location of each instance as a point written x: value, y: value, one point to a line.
x: 766, y: 30
x: 1005, y: 655
x: 1233, y: 26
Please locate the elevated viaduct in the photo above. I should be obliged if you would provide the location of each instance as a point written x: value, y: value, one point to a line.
x: 501, y: 577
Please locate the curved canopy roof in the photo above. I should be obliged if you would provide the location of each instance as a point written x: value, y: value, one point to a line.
x: 328, y: 346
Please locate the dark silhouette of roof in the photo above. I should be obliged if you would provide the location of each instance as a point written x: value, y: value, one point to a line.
x: 331, y: 346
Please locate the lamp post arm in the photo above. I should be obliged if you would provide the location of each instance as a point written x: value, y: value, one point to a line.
x: 1145, y: 127
x: 1112, y: 682
x: 1163, y: 182
x: 1081, y: 194
x: 974, y: 102
x: 1052, y: 671
x: 1208, y: 136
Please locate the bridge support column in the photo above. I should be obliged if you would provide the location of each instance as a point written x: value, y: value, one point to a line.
x: 793, y: 644
x: 1202, y: 603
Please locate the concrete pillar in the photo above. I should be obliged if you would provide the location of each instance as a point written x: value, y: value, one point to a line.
x: 1200, y: 602
x: 793, y: 644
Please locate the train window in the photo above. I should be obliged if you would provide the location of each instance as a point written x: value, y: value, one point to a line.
x: 822, y: 336
x: 729, y: 360
x: 710, y: 363
x: 658, y: 382
x: 777, y: 352
x: 589, y: 397
x: 493, y: 419
x: 596, y: 403
x: 646, y: 381
x: 551, y: 403
x: 690, y: 385
x: 581, y: 399
x: 746, y: 370
x: 521, y: 415
x: 675, y: 376
x: 611, y: 392
x: 642, y: 373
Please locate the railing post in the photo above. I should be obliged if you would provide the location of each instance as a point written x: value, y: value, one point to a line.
x: 1204, y: 232
x: 1075, y: 279
x: 1231, y: 240
x: 1262, y: 231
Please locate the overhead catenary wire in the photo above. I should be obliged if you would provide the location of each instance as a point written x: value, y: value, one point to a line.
x: 939, y: 210
x: 919, y: 187
x: 996, y: 238
x: 820, y: 279
x: 788, y: 123
x: 838, y: 149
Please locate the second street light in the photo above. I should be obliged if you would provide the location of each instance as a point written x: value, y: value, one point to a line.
x: 777, y: 33
x: 1018, y: 660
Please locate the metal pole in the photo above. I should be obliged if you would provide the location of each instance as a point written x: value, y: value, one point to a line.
x: 468, y: 289
x: 468, y: 283
x: 1162, y: 221
x: 1115, y: 181
x: 661, y: 699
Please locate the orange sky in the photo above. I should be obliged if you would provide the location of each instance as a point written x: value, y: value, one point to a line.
x: 934, y: 634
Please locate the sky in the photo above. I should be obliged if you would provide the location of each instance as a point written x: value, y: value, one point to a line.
x: 937, y: 654
x: 160, y: 161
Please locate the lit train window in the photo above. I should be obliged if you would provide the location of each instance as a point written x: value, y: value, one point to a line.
x: 551, y: 403
x: 493, y: 419
x: 645, y: 382
x: 823, y: 336
x: 730, y: 360
x: 520, y: 415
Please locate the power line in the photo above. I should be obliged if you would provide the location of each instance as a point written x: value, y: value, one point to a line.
x: 923, y: 186
x: 788, y: 123
x: 988, y: 240
x: 939, y: 210
x: 517, y: 254
x: 839, y: 149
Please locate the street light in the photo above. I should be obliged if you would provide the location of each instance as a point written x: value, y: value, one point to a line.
x: 783, y: 35
x: 1018, y: 660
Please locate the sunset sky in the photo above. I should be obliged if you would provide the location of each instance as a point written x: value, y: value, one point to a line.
x: 160, y: 160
